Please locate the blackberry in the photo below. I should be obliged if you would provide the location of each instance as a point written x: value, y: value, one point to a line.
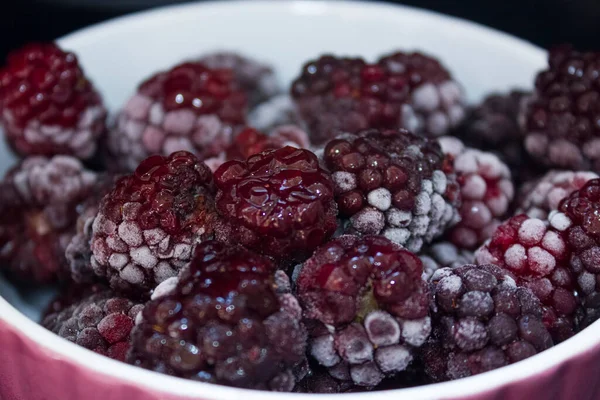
x: 540, y: 197
x: 394, y: 183
x: 437, y: 99
x: 538, y: 257
x: 148, y: 224
x: 486, y: 191
x: 577, y: 220
x: 190, y: 107
x: 38, y: 200
x: 230, y: 320
x: 48, y: 106
x: 100, y: 321
x: 279, y: 203
x: 483, y: 321
x: 561, y: 118
x: 367, y: 306
x: 257, y: 79
x: 441, y: 255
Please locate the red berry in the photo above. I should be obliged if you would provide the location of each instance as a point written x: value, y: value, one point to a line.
x: 370, y: 293
x: 230, y: 320
x: 190, y: 107
x: 148, y: 224
x: 538, y: 257
x: 279, y: 203
x: 394, y: 183
x: 486, y: 190
x: 48, y: 105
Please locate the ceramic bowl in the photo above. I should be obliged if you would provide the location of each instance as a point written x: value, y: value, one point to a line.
x: 35, y: 364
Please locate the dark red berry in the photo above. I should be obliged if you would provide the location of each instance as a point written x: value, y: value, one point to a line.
x: 538, y: 257
x: 561, y: 119
x: 257, y: 79
x: 190, y: 107
x: 101, y: 321
x: 279, y: 203
x: 229, y: 320
x: 148, y: 224
x: 482, y: 321
x: 394, y: 183
x: 370, y: 294
x: 48, y: 105
x: 38, y: 211
x: 486, y: 190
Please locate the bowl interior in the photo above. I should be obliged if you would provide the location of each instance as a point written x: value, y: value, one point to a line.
x: 118, y: 54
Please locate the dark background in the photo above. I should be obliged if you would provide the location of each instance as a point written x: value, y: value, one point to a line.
x: 544, y: 22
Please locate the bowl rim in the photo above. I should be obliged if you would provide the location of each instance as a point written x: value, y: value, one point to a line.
x: 59, y: 348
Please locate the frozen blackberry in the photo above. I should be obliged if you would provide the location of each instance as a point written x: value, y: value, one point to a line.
x: 48, y: 106
x: 148, y: 224
x: 100, y: 321
x: 540, y: 197
x: 561, y: 118
x: 394, y: 183
x: 321, y: 382
x: 493, y: 126
x: 190, y: 107
x: 437, y: 99
x: 368, y: 307
x: 578, y: 221
x: 442, y: 255
x: 78, y: 252
x: 257, y: 79
x: 335, y: 95
x: 483, y: 321
x: 279, y: 203
x: 230, y: 320
x: 38, y: 200
x: 486, y: 191
x: 279, y: 110
x: 538, y: 257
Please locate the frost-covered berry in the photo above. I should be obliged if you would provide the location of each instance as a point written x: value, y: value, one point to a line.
x: 441, y: 255
x: 279, y: 203
x: 100, y: 321
x: 190, y: 107
x: 482, y: 321
x: 540, y: 197
x: 560, y: 120
x: 38, y: 209
x: 437, y: 99
x: 257, y: 79
x: 149, y: 223
x: 230, y: 319
x: 538, y: 257
x: 394, y: 183
x: 486, y: 191
x: 47, y: 104
x: 578, y: 221
x: 368, y: 307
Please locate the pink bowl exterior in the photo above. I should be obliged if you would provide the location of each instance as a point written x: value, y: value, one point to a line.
x: 31, y: 372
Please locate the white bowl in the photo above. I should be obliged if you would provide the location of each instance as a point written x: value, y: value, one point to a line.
x: 118, y: 54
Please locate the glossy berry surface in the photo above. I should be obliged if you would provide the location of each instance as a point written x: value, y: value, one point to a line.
x: 370, y: 294
x: 538, y: 257
x: 189, y: 107
x: 486, y: 190
x: 148, y: 224
x: 394, y: 183
x: 561, y: 119
x: 279, y: 203
x: 229, y: 320
x: 38, y: 201
x: 100, y: 321
x: 483, y: 321
x: 48, y: 106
